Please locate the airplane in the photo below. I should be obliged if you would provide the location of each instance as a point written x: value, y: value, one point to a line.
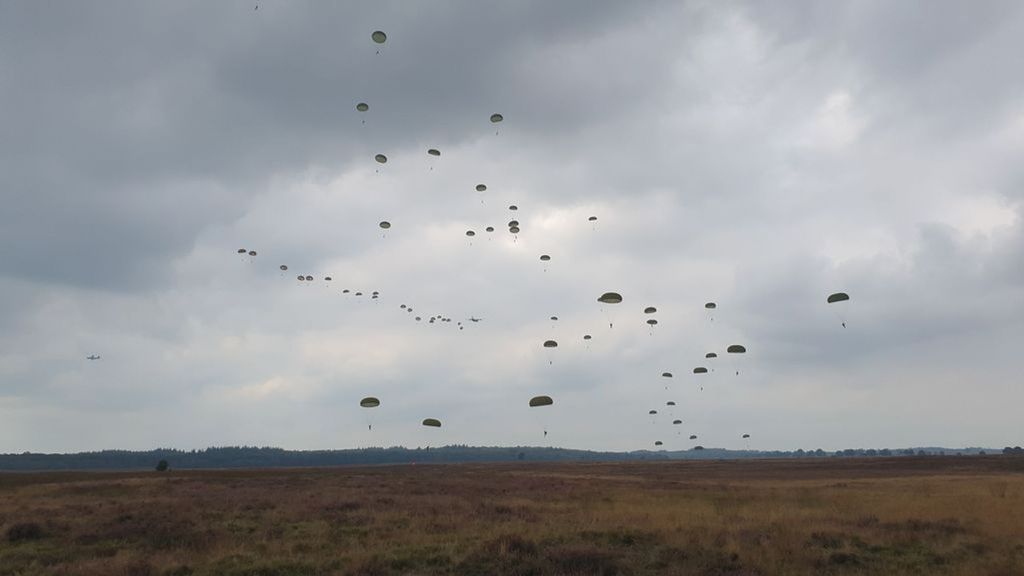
x: 93, y: 357
x: 471, y: 319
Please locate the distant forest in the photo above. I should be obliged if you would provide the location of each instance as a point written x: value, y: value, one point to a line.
x: 256, y: 457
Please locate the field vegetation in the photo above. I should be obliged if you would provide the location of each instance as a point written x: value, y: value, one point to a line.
x: 928, y: 515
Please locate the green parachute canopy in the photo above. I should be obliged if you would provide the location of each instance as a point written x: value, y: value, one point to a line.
x: 653, y: 412
x: 700, y: 370
x: 541, y: 401
x: 711, y: 305
x: 369, y: 402
x: 652, y: 322
x: 481, y: 187
x: 385, y: 224
x: 677, y: 422
x: 381, y: 159
x: 670, y: 403
x: 242, y: 250
x: 434, y: 152
x: 470, y: 233
x: 657, y: 442
x: 252, y: 252
x: 746, y: 435
x: 550, y: 344
x: 736, y: 349
x: 666, y: 374
x: 650, y: 310
x: 586, y: 336
x: 838, y: 297
x: 711, y: 355
x: 495, y: 118
x: 610, y: 298
x: 544, y: 258
x: 379, y: 37
x: 362, y: 107
x: 693, y: 436
x: 592, y: 219
x: 283, y: 267
x: 433, y: 422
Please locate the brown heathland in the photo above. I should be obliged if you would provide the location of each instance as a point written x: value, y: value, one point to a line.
x: 926, y: 515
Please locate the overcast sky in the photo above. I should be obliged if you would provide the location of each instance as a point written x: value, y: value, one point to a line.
x: 758, y: 156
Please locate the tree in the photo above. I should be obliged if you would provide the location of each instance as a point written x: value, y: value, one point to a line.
x: 162, y: 466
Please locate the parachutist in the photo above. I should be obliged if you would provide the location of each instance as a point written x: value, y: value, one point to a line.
x: 545, y: 433
x: 844, y: 324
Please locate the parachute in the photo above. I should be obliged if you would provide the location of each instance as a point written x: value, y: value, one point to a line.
x: 252, y: 252
x: 481, y: 187
x: 700, y: 370
x: 711, y: 355
x: 839, y: 297
x: 653, y: 412
x: 736, y: 349
x: 650, y: 310
x: 592, y: 219
x: 652, y: 322
x: 470, y: 233
x: 495, y: 118
x: 512, y: 223
x: 746, y: 435
x: 670, y: 403
x: 550, y: 344
x: 586, y: 336
x: 301, y: 277
x: 711, y: 305
x: 541, y: 401
x: 385, y: 224
x: 369, y: 402
x: 327, y: 278
x: 242, y: 250
x: 545, y: 258
x: 381, y: 159
x: 362, y: 107
x: 677, y: 422
x: 657, y: 442
x: 513, y: 229
x: 283, y: 267
x: 513, y: 207
x: 434, y: 152
x: 666, y: 374
x: 379, y: 37
x: 432, y: 422
x: 309, y: 278
x: 693, y: 436
x: 554, y: 318
x: 489, y: 229
x: 610, y: 298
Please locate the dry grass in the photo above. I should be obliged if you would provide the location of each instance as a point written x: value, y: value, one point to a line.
x: 955, y: 516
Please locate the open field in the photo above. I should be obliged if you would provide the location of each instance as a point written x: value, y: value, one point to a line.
x: 926, y: 515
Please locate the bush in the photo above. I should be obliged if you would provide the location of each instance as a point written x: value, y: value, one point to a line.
x: 162, y: 466
x: 24, y: 531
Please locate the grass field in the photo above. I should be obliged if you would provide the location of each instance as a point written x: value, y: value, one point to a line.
x: 917, y: 515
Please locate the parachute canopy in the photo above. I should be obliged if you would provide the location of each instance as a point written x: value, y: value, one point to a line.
x: 550, y: 344
x: 380, y: 158
x: 838, y: 297
x: 693, y: 436
x: 586, y: 336
x: 241, y: 250
x: 652, y: 412
x: 650, y: 310
x: 513, y: 229
x: 700, y: 370
x: 252, y: 252
x: 652, y: 322
x: 666, y: 374
x: 592, y: 219
x: 495, y: 118
x: 544, y: 258
x: 610, y: 298
x: 379, y: 37
x: 489, y: 228
x: 736, y: 349
x: 362, y: 106
x: 481, y: 187
x: 657, y: 442
x: 677, y: 422
x: 470, y: 233
x: 369, y: 402
x: 385, y: 224
x: 541, y: 401
x: 670, y: 403
x: 746, y: 435
x: 711, y: 305
x: 283, y: 267
x: 434, y: 152
x: 513, y: 207
x: 711, y: 355
x: 434, y: 422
